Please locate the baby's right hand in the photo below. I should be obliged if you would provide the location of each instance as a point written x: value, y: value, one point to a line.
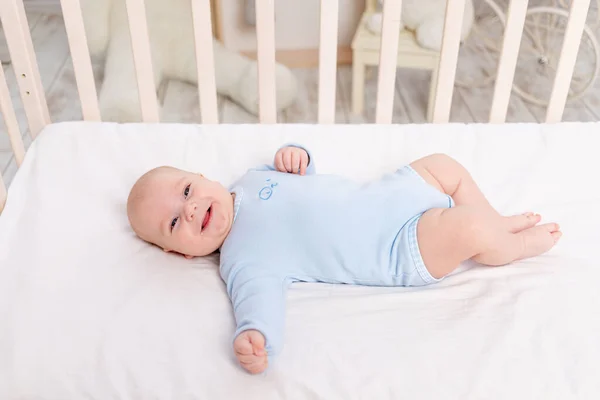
x: 250, y: 351
x: 291, y: 159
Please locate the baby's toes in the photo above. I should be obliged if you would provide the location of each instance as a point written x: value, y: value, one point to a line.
x: 556, y: 235
x: 555, y: 232
x: 551, y: 227
x: 539, y: 239
x: 518, y: 223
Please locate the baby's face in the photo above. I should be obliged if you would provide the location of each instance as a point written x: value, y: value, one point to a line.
x: 181, y: 212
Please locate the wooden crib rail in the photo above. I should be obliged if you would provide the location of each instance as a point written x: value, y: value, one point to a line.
x: 12, y: 126
x: 10, y: 120
x: 20, y: 47
x: 566, y: 63
x: 390, y: 31
x: 24, y: 61
x: 80, y: 55
x: 328, y: 60
x: 2, y: 194
x: 205, y: 64
x: 142, y: 58
x: 515, y: 22
x: 265, y: 36
x: 448, y: 60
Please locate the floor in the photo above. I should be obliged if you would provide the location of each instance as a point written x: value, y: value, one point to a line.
x: 468, y: 105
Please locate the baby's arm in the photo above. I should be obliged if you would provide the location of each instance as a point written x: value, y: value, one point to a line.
x: 258, y: 299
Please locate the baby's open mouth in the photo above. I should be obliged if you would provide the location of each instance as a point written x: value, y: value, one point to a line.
x: 206, y: 217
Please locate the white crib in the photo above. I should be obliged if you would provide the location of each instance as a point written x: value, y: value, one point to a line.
x: 82, y: 315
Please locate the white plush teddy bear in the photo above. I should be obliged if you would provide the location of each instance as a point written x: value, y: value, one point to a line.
x: 426, y: 19
x: 173, y: 57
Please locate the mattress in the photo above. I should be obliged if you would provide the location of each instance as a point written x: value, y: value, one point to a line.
x: 88, y: 311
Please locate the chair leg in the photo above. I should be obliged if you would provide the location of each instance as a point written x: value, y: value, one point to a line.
x: 358, y: 84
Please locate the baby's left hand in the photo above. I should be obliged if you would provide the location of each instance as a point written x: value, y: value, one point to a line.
x: 291, y: 159
x: 250, y: 351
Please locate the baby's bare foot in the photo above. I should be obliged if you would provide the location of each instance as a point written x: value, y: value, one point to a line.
x: 518, y: 223
x: 539, y: 239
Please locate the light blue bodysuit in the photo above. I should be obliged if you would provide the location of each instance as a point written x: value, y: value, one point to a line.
x: 319, y: 228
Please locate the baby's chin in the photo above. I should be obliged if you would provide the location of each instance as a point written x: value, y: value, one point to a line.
x: 191, y: 253
x: 205, y: 252
x: 205, y: 247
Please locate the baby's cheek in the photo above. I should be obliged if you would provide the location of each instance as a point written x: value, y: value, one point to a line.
x: 220, y: 220
x: 180, y: 240
x: 187, y: 238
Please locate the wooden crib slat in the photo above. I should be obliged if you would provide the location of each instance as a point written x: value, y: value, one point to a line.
x: 10, y: 120
x: 448, y: 60
x: 142, y: 57
x: 2, y: 194
x: 328, y: 60
x: 388, y: 60
x: 205, y: 64
x: 265, y: 35
x: 80, y: 55
x: 566, y: 64
x: 513, y: 33
x: 24, y: 61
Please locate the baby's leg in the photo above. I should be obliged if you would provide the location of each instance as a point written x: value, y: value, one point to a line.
x: 450, y: 177
x: 448, y: 237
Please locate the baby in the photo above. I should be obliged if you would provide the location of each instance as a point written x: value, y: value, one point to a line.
x: 283, y: 223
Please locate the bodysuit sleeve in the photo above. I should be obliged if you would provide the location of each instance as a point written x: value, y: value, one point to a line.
x: 310, y: 168
x: 258, y: 300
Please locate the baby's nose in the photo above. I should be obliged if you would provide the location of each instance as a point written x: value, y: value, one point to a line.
x: 190, y: 210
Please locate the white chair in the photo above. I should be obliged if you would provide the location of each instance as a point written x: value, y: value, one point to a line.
x: 365, y: 52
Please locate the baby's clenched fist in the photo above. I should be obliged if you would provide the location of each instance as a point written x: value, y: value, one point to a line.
x: 292, y: 159
x: 249, y: 347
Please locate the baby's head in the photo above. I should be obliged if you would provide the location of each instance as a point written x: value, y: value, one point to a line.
x: 180, y: 211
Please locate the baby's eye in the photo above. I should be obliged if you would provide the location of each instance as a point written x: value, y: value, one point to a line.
x: 173, y: 223
x: 186, y: 191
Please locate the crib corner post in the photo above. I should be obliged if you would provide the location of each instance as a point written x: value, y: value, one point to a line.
x: 22, y: 53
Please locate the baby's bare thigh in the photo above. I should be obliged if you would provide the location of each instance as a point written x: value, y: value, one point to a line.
x: 447, y: 237
x: 440, y: 171
x: 421, y: 167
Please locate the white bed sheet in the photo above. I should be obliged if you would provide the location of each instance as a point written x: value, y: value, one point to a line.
x: 87, y: 311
